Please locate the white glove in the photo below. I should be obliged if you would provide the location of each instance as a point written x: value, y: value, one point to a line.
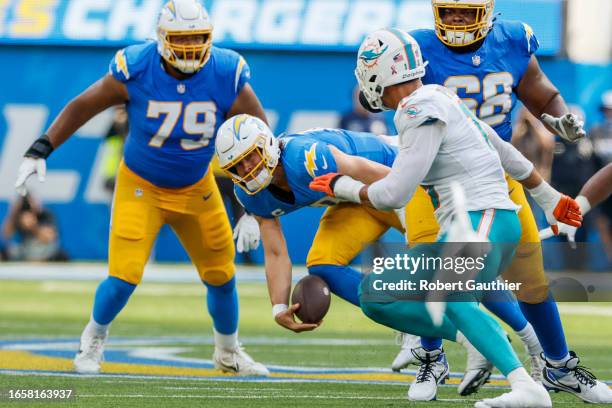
x: 569, y: 127
x: 29, y: 166
x: 564, y: 229
x: 246, y: 233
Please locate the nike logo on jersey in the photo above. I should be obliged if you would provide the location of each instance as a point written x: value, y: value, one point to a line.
x: 206, y: 196
x: 324, y: 166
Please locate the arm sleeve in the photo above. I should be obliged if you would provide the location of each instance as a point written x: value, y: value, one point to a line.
x: 409, y: 169
x: 513, y: 161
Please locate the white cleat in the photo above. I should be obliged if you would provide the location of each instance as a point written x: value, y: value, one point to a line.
x: 523, y: 395
x: 405, y: 357
x: 477, y: 371
x: 577, y: 380
x: 90, y: 354
x: 432, y: 371
x: 237, y: 361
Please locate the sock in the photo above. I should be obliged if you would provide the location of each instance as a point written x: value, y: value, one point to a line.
x: 507, y: 309
x: 431, y: 343
x: 96, y: 329
x: 518, y: 375
x: 343, y: 281
x: 530, y: 340
x: 545, y: 319
x: 558, y: 363
x: 111, y: 296
x: 226, y: 341
x: 222, y: 302
x: 470, y: 320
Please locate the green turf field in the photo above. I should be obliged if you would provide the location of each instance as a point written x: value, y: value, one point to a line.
x: 162, y: 317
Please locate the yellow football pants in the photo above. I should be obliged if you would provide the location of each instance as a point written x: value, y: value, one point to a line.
x: 527, y: 266
x: 196, y: 214
x: 345, y: 230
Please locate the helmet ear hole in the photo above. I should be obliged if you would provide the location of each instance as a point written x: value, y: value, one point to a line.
x: 373, y: 78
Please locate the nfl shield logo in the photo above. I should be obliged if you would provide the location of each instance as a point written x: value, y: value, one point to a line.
x: 180, y: 88
x: 476, y: 60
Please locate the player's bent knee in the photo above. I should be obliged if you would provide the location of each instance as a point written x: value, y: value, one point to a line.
x: 533, y: 295
x: 217, y: 275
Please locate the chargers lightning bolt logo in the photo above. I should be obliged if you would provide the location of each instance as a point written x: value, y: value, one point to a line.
x: 121, y: 63
x: 309, y: 163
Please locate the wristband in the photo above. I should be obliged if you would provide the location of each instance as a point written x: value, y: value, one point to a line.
x: 584, y: 204
x: 277, y: 309
x: 347, y: 188
x: 40, y: 149
x: 545, y: 195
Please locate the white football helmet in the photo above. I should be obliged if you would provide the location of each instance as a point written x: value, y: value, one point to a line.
x: 236, y: 139
x: 184, y: 18
x: 387, y: 57
x: 463, y: 35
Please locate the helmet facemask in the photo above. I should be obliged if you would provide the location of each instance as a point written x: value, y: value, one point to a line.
x: 463, y: 35
x: 185, y: 57
x: 262, y: 173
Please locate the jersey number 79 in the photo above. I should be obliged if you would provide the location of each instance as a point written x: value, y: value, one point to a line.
x: 191, y: 122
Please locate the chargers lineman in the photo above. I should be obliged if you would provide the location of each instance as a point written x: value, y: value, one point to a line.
x: 490, y: 63
x: 177, y: 91
x: 442, y: 142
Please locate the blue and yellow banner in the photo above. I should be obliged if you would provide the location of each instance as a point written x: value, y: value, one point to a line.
x: 333, y: 25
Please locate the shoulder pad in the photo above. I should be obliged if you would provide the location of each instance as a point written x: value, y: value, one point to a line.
x: 129, y: 62
x: 427, y: 105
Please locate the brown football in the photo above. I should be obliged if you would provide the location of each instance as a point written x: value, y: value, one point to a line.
x: 312, y: 293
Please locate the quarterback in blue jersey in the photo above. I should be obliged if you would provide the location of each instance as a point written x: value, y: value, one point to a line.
x: 177, y: 91
x: 272, y: 177
x: 490, y: 63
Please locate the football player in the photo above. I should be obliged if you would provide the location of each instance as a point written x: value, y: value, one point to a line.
x: 490, y: 63
x: 177, y: 91
x: 271, y: 177
x: 442, y: 143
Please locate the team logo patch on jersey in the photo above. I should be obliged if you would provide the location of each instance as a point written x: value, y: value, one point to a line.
x: 310, y: 160
x: 121, y: 64
x: 412, y: 111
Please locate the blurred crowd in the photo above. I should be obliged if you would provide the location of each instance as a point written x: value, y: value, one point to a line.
x: 30, y: 232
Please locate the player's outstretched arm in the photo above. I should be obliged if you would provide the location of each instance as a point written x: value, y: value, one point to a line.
x: 103, y: 94
x: 544, y: 101
x: 596, y: 190
x: 247, y: 102
x: 278, y: 275
x: 359, y: 168
x: 557, y: 207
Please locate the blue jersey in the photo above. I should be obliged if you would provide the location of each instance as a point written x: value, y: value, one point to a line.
x: 305, y: 156
x: 484, y: 79
x: 173, y: 122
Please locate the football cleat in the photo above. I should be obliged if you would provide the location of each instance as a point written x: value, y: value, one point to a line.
x: 90, y: 354
x: 524, y: 394
x: 237, y: 361
x: 432, y: 371
x: 577, y: 380
x: 477, y: 371
x: 405, y: 357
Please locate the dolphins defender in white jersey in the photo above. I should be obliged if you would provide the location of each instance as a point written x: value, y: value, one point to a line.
x: 442, y: 143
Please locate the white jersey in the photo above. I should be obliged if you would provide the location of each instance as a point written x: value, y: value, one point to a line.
x: 440, y: 142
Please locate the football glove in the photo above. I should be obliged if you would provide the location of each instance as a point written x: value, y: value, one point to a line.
x: 569, y: 127
x: 557, y: 207
x: 246, y: 234
x: 337, y: 185
x: 29, y: 166
x: 34, y: 162
x: 564, y: 229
